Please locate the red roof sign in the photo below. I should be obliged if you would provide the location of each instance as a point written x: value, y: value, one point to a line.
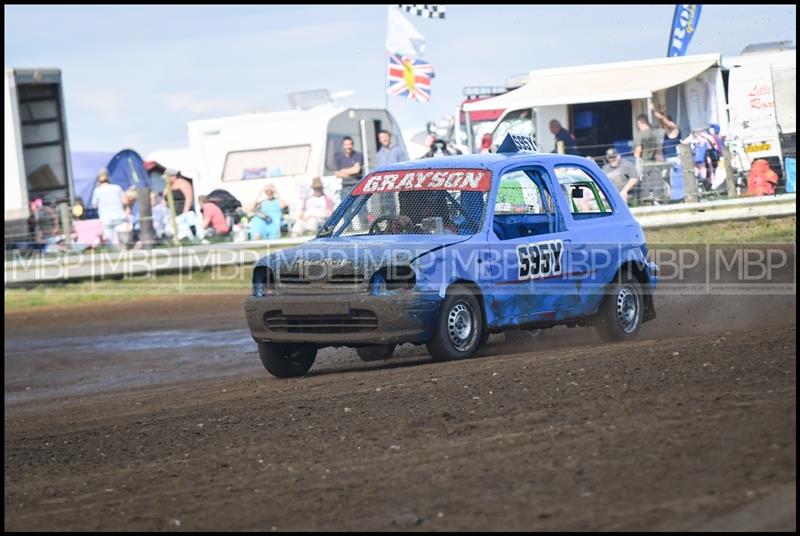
x: 475, y: 180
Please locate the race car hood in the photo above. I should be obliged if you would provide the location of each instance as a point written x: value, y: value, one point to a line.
x: 341, y: 257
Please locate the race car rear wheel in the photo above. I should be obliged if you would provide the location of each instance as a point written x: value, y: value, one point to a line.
x: 459, y: 328
x: 620, y: 315
x: 287, y: 360
x: 377, y: 352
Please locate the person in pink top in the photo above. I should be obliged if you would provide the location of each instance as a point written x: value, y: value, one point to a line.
x: 214, y: 222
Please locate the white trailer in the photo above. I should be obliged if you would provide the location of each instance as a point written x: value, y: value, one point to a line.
x: 243, y: 153
x: 36, y: 150
x: 762, y: 102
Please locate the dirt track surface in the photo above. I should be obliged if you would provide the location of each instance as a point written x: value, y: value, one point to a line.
x: 159, y: 416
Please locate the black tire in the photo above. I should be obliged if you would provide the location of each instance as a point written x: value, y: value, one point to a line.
x: 459, y: 329
x: 287, y: 360
x: 377, y: 352
x: 621, y: 314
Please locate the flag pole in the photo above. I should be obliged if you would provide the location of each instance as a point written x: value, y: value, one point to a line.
x: 386, y: 81
x: 672, y: 28
x: 386, y: 63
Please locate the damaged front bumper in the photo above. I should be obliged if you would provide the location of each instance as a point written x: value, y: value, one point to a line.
x: 343, y: 319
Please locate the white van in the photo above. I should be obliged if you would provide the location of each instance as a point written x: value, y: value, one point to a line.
x: 243, y: 153
x: 762, y: 102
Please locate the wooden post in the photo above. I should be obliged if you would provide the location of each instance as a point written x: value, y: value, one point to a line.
x: 687, y: 169
x: 147, y: 234
x: 66, y: 226
x: 171, y: 203
x: 730, y: 183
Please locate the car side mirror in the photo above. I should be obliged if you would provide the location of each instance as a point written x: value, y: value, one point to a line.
x: 577, y: 193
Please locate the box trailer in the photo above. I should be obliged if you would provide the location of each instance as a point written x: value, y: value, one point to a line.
x: 37, y: 158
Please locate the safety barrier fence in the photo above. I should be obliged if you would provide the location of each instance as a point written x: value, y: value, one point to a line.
x: 21, y: 270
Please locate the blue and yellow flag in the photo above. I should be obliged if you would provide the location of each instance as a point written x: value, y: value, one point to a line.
x: 684, y: 24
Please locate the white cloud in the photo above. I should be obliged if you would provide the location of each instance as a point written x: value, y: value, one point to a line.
x: 185, y: 101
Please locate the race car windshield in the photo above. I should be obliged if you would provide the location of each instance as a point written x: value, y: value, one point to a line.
x: 429, y: 202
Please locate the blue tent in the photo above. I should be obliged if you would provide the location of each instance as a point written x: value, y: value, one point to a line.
x: 125, y: 169
x: 85, y: 165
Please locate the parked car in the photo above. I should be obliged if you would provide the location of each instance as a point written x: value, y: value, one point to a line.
x: 445, y: 251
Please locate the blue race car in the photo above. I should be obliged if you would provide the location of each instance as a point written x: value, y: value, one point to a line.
x: 445, y: 251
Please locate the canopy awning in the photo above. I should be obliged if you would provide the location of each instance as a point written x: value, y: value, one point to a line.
x: 599, y: 83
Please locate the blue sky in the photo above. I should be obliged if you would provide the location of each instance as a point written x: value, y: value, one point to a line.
x: 134, y: 75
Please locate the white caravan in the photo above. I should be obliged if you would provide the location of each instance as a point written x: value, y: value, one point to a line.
x: 243, y: 153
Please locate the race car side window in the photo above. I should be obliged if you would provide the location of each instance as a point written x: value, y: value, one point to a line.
x: 584, y: 195
x: 523, y: 207
x: 518, y: 194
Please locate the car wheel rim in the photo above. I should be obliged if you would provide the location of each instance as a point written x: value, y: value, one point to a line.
x: 628, y: 308
x: 461, y: 327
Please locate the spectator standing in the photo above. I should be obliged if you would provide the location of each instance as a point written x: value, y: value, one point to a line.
x: 645, y: 141
x: 349, y: 164
x: 182, y: 191
x: 669, y: 145
x: 214, y: 222
x: 108, y: 199
x: 389, y: 153
x: 160, y: 212
x: 621, y: 172
x: 183, y: 198
x: 672, y: 134
x: 317, y: 208
x: 705, y: 154
x: 562, y: 134
x: 266, y: 210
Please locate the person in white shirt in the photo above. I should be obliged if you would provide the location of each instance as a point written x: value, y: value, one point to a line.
x: 317, y: 208
x: 108, y: 199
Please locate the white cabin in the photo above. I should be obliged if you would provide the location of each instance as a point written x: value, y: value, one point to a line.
x: 243, y: 153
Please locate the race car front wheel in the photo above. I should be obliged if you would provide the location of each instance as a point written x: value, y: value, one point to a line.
x: 287, y: 360
x: 620, y: 315
x: 459, y: 329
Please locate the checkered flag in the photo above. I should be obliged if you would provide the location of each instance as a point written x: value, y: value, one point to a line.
x: 432, y: 11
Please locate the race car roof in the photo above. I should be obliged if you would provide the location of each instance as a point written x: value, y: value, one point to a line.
x: 599, y: 83
x: 484, y: 160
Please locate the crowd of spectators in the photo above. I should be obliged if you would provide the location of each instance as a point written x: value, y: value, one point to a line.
x: 219, y: 216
